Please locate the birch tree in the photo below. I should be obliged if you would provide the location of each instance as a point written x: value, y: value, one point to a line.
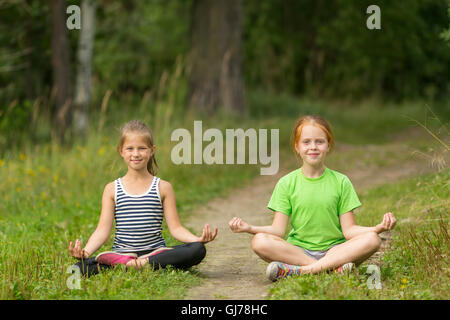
x: 82, y: 96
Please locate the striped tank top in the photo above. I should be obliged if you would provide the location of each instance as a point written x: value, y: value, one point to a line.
x: 138, y: 219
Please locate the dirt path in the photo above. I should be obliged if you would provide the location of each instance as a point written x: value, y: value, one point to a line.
x: 231, y: 269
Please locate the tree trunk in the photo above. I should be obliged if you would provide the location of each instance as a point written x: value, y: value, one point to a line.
x: 82, y: 97
x: 216, y: 56
x: 61, y: 70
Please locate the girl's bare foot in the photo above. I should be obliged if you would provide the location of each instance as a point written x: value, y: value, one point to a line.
x: 137, y: 263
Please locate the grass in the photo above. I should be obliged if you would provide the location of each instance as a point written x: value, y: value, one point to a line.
x: 415, y: 264
x: 51, y: 195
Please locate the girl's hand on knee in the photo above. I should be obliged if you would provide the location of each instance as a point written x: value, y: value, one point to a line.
x: 388, y: 223
x: 76, y: 251
x: 207, y: 235
x: 238, y: 225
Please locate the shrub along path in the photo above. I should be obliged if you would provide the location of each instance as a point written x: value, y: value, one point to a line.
x: 231, y: 270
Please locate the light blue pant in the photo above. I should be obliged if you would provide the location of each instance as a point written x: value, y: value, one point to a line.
x: 316, y: 254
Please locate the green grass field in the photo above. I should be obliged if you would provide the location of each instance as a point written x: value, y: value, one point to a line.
x: 52, y: 195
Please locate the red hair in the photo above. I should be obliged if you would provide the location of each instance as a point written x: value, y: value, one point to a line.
x: 314, y: 120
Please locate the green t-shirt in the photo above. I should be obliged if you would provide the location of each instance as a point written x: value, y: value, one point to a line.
x: 314, y: 205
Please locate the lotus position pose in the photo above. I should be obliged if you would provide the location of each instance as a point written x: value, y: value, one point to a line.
x: 138, y: 202
x: 320, y: 203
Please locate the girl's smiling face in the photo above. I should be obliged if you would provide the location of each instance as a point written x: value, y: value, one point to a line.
x: 313, y: 145
x: 136, y: 152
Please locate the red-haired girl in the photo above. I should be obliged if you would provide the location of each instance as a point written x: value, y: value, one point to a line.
x: 320, y: 203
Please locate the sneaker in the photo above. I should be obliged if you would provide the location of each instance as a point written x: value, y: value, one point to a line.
x: 154, y: 252
x: 345, y: 268
x: 277, y: 270
x: 112, y: 258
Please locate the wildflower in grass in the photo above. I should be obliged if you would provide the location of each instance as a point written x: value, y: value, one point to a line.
x: 101, y: 151
x: 31, y: 172
x: 2, y: 162
x: 42, y: 169
x: 55, y: 180
x: 403, y: 281
x: 21, y: 156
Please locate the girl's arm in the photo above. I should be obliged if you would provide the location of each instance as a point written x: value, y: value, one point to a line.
x: 278, y: 227
x: 103, y: 230
x: 176, y: 229
x: 350, y: 229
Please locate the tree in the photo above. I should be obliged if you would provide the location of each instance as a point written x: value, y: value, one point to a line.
x: 82, y: 95
x: 446, y: 33
x: 216, y: 77
x: 61, y: 70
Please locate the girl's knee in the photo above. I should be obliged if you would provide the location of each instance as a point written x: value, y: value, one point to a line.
x: 373, y: 240
x: 199, y: 250
x: 89, y: 267
x: 196, y: 252
x: 260, y: 242
x: 181, y: 257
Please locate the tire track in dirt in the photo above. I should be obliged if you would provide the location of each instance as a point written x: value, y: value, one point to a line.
x: 231, y: 270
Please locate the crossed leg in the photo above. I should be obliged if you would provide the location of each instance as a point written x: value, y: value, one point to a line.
x: 358, y: 249
x: 272, y: 248
x: 182, y: 256
x: 355, y: 250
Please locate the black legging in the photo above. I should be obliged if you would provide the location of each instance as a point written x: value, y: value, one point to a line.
x: 182, y: 256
